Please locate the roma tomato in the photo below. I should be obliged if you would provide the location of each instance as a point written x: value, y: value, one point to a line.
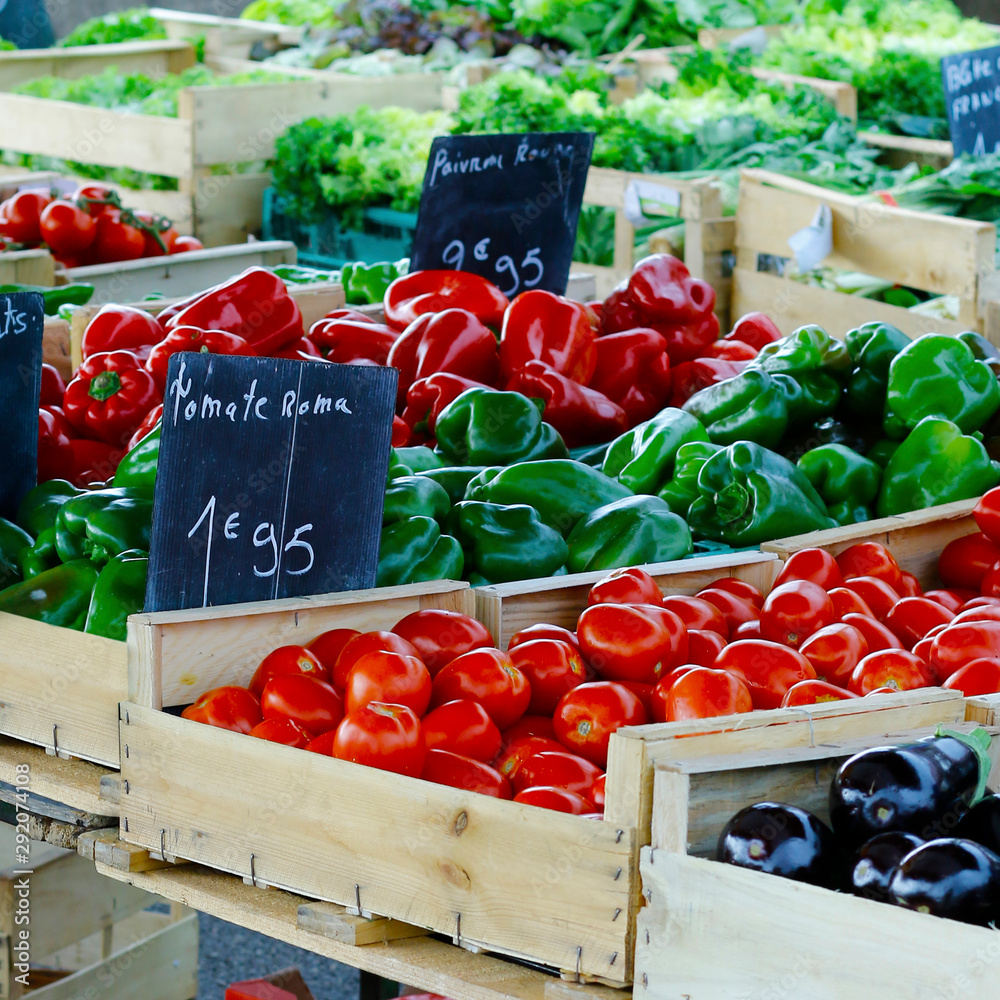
x: 697, y: 614
x: 814, y: 693
x: 703, y: 693
x: 367, y: 642
x: 463, y: 727
x: 846, y: 602
x: 22, y: 215
x: 327, y: 646
x: 625, y: 586
x: 834, y: 652
x: 748, y: 630
x: 446, y: 768
x: 965, y: 561
x: 631, y: 642
x: 533, y: 632
x: 557, y: 770
x: 286, y: 660
x: 552, y: 668
x: 876, y: 593
x: 308, y: 701
x: 741, y: 589
x: 735, y: 610
x: 66, y: 228
x: 981, y: 676
x: 529, y: 725
x: 323, y: 744
x: 489, y: 677
x: 951, y: 599
x: 895, y: 668
x: 587, y: 716
x: 876, y: 634
x: 793, y: 611
x: 596, y: 793
x: 987, y: 514
x: 657, y: 708
x: 644, y: 692
x: 509, y: 762
x: 913, y: 617
x: 392, y: 678
x: 704, y: 647
x: 768, y: 669
x: 870, y: 559
x: 990, y: 585
x: 228, y: 707
x: 388, y: 737
x: 557, y: 799
x: 439, y: 636
x: 989, y: 613
x: 923, y: 647
x: 279, y: 730
x: 811, y: 565
x: 910, y: 586
x: 956, y: 645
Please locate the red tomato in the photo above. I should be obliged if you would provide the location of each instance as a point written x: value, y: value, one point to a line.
x: 703, y: 693
x: 740, y: 588
x: 910, y: 586
x: 596, y: 793
x: 812, y: 565
x: 793, y: 611
x: 552, y: 668
x: 511, y: 759
x: 185, y: 244
x: 834, y: 652
x: 957, y: 645
x: 286, y: 660
x: 964, y: 561
x: 278, y: 730
x: 21, y: 216
x: 644, y: 692
x: 877, y: 594
x: 977, y: 614
x: 150, y: 245
x: 767, y: 668
x: 323, y: 744
x: 981, y: 676
x: 870, y: 559
x: 913, y: 617
x: 229, y: 707
x: 735, y: 610
x: 489, y: 677
x: 463, y: 727
x: 557, y: 799
x: 698, y: 614
x: 529, y: 725
x: 657, y: 709
x: 895, y: 668
x: 876, y: 634
x: 391, y: 678
x: 631, y: 642
x: 446, y: 768
x: 990, y: 584
x: 388, y: 737
x: 923, y: 647
x: 543, y: 632
x: 439, y: 636
x: 950, y: 599
x: 367, y: 642
x: 91, y: 196
x: 310, y: 702
x: 814, y: 693
x: 327, y: 646
x: 66, y: 228
x: 846, y: 602
x: 625, y: 586
x: 987, y: 515
x: 748, y: 630
x: 115, y: 239
x: 704, y: 647
x: 556, y: 770
x: 981, y: 602
x: 586, y: 717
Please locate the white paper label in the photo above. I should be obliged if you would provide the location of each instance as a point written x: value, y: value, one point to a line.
x: 755, y: 40
x: 645, y: 196
x: 813, y: 244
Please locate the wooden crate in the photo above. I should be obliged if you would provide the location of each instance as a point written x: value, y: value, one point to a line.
x: 805, y: 941
x: 505, y: 608
x: 915, y: 538
x: 899, y: 150
x: 27, y: 267
x: 226, y: 36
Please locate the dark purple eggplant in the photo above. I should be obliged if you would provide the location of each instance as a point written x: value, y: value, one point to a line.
x: 923, y: 788
x: 958, y: 879
x: 982, y: 823
x: 877, y: 862
x: 783, y: 840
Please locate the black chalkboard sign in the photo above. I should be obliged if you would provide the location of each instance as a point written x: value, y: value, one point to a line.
x: 270, y: 480
x: 503, y: 206
x: 22, y: 321
x: 972, y: 94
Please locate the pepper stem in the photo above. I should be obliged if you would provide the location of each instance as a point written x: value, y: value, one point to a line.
x: 731, y: 502
x: 104, y: 386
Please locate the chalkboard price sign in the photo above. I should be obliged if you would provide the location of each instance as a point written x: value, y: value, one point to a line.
x: 972, y: 94
x: 22, y: 322
x: 503, y: 206
x: 270, y: 480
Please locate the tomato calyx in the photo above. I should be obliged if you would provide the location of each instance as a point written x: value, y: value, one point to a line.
x: 159, y: 224
x: 104, y: 386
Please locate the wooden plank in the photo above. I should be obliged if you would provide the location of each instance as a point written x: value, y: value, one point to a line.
x: 104, y: 848
x: 714, y: 38
x: 440, y: 868
x: 27, y: 267
x: 903, y: 149
x: 984, y: 709
x: 227, y: 208
x: 844, y: 96
x: 56, y: 346
x: 337, y: 923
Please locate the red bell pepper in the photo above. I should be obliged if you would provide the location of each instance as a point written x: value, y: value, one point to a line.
x: 352, y: 314
x: 400, y: 432
x: 692, y: 376
x: 731, y: 350
x: 427, y: 397
x: 110, y: 396
x: 255, y: 305
x: 94, y: 462
x: 55, y: 454
x: 581, y: 415
x: 755, y: 329
x: 121, y: 328
x: 190, y: 338
x: 302, y: 350
x: 987, y: 514
x: 451, y: 341
x: 149, y: 422
x: 53, y: 387
x: 344, y: 340
x: 420, y: 292
x: 633, y: 370
x: 541, y: 326
x: 687, y: 341
x: 663, y: 289
x: 619, y: 313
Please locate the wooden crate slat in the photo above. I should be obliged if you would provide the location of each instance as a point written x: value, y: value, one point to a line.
x: 75, y: 784
x: 27, y: 267
x: 843, y: 96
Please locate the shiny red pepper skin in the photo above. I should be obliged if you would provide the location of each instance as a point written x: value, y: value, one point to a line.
x: 427, y: 397
x: 53, y: 387
x: 692, y: 376
x: 346, y: 340
x: 255, y: 305
x: 633, y: 370
x: 190, y: 338
x: 541, y: 326
x: 121, y: 328
x: 94, y: 462
x: 687, y: 341
x: 146, y: 427
x: 400, y: 432
x: 619, y: 313
x: 731, y: 350
x: 110, y: 396
x: 453, y: 341
x: 663, y: 289
x: 302, y: 350
x: 755, y: 329
x: 582, y: 415
x: 352, y: 314
x: 55, y: 453
x: 420, y: 292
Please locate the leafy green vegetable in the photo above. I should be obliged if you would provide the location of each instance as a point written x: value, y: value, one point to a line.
x: 133, y: 24
x: 319, y: 13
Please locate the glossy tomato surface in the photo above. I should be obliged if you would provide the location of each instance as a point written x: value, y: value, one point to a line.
x: 388, y: 737
x: 587, y: 716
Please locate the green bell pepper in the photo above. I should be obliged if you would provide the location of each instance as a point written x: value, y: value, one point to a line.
x: 982, y: 349
x: 120, y: 591
x: 628, y: 532
x: 57, y: 296
x: 39, y: 556
x: 882, y: 451
x: 753, y: 406
x: 807, y: 349
x: 643, y: 458
x: 103, y: 523
x: 41, y: 504
x: 505, y: 542
x: 397, y: 467
x: 811, y: 396
x: 138, y: 467
x: 419, y: 458
x: 935, y: 464
x: 365, y: 284
x: 938, y: 376
x: 414, y: 496
x: 749, y: 495
x: 454, y: 478
x: 562, y: 491
x: 299, y: 275
x: 847, y: 482
x: 487, y: 427
x: 59, y: 596
x: 415, y: 550
x: 681, y: 490
x: 872, y: 347
x: 12, y: 540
